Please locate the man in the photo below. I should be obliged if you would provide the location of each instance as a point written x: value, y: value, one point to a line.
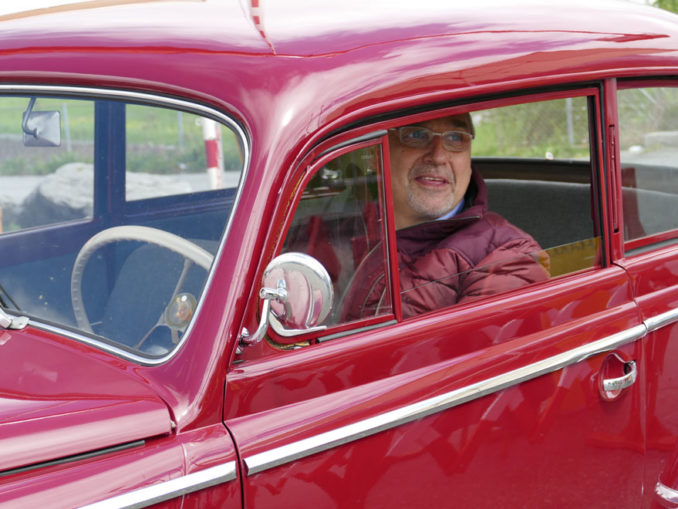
x: 451, y: 249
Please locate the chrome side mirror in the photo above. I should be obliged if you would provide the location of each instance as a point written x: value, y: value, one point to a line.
x: 297, y: 296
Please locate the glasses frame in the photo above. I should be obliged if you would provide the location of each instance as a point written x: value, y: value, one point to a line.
x: 432, y: 134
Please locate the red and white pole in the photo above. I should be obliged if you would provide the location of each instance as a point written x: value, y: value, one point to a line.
x: 211, y: 133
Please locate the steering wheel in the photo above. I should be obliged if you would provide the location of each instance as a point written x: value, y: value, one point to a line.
x: 191, y: 253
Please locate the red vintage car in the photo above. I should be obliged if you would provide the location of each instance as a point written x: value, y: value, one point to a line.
x: 209, y: 297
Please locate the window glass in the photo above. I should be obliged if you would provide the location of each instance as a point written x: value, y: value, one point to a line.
x: 47, y: 178
x: 76, y: 253
x: 339, y: 221
x: 648, y: 133
x: 173, y: 152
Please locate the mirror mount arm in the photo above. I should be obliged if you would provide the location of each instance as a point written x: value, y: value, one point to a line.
x: 247, y: 339
x: 24, y: 123
x: 8, y: 321
x: 267, y: 294
x: 299, y: 313
x: 278, y: 294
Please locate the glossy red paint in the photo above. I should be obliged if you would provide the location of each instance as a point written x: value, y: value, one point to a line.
x: 50, y: 410
x: 292, y: 81
x: 370, y: 374
x: 654, y: 282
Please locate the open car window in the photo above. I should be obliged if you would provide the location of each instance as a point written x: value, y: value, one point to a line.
x: 112, y: 213
x: 530, y: 211
x: 539, y: 167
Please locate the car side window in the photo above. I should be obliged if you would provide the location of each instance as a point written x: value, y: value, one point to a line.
x: 648, y: 133
x: 527, y: 212
x: 112, y: 213
x: 538, y: 163
x: 340, y: 222
x: 483, y: 203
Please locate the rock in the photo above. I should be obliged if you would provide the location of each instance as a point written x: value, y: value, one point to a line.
x: 67, y: 194
x: 64, y: 195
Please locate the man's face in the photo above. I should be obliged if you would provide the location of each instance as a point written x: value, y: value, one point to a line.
x: 428, y: 182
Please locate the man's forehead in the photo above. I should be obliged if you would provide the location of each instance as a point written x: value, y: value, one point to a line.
x: 454, y: 121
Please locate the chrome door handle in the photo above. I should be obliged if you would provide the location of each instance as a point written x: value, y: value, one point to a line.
x: 617, y: 384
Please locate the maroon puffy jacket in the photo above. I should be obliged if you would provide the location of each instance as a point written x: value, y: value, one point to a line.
x: 475, y: 254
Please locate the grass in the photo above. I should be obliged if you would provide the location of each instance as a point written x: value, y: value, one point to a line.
x: 557, y: 129
x: 159, y: 140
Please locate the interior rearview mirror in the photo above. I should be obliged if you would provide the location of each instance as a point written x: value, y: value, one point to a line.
x: 41, y: 128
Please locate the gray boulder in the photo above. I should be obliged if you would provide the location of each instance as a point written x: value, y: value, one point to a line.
x: 64, y: 195
x: 67, y: 194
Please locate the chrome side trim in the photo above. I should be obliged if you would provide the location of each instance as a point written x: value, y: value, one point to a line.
x: 296, y: 450
x: 665, y: 493
x: 170, y: 489
x: 157, y: 100
x: 662, y: 320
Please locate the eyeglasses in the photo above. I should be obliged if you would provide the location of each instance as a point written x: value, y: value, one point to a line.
x: 421, y: 137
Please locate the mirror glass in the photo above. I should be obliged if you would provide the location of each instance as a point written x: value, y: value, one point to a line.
x: 305, y: 293
x: 41, y: 128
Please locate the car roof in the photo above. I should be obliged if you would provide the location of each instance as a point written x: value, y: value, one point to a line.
x: 301, y: 28
x: 293, y: 66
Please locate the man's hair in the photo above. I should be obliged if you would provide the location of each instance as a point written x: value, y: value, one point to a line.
x: 469, y: 122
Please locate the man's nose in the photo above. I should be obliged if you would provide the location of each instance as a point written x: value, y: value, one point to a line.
x: 437, y: 152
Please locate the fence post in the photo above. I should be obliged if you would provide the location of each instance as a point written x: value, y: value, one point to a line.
x: 213, y: 153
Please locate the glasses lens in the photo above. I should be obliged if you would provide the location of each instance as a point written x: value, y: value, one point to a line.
x: 412, y: 136
x: 456, y: 141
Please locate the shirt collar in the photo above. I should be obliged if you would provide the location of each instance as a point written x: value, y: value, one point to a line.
x: 453, y: 212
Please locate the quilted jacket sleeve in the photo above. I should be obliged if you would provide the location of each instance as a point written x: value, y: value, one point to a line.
x: 517, y: 263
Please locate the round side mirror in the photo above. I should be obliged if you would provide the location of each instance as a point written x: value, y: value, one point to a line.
x: 297, y: 297
x: 308, y: 293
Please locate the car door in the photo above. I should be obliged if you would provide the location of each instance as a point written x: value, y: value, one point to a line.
x: 649, y: 196
x: 529, y: 397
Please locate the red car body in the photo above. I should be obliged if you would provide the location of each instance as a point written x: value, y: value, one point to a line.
x: 396, y: 414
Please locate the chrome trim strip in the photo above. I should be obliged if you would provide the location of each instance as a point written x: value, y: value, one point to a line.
x: 170, y: 489
x: 665, y: 493
x: 352, y: 141
x: 662, y: 320
x: 160, y: 100
x: 296, y: 450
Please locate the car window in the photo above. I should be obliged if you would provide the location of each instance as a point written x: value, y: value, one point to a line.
x: 112, y: 213
x: 529, y: 212
x: 184, y: 151
x: 648, y: 133
x: 339, y: 221
x: 537, y: 162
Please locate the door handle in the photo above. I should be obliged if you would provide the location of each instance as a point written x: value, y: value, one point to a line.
x: 622, y: 382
